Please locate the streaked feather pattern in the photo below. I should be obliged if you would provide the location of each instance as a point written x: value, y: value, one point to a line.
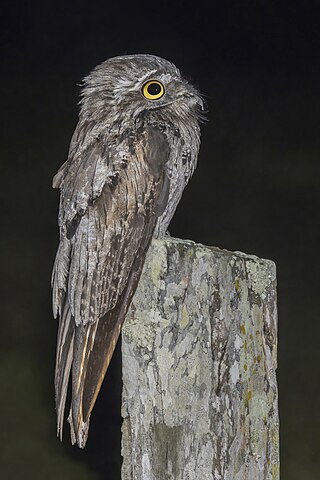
x: 129, y: 161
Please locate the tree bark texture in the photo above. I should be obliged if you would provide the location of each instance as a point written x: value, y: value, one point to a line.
x: 199, y: 349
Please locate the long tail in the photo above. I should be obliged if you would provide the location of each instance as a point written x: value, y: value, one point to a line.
x: 89, y: 349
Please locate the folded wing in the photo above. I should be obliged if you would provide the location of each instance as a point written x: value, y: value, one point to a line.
x: 111, y: 196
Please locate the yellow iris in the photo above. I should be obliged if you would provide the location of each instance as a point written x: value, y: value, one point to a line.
x: 153, y: 90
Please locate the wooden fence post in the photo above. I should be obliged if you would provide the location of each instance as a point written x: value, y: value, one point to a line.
x: 199, y: 349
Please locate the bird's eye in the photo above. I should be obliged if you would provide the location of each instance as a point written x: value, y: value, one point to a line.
x: 153, y: 90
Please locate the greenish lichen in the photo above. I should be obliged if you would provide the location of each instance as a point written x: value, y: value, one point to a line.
x: 199, y: 358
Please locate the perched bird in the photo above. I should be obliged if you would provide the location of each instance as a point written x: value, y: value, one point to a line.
x: 133, y: 151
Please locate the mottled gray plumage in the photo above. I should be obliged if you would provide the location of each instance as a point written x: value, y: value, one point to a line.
x: 129, y: 161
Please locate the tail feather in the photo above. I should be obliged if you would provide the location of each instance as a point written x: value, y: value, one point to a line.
x: 93, y: 349
x: 89, y: 349
x: 64, y: 358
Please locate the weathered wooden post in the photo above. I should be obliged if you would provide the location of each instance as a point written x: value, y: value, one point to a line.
x: 199, y: 350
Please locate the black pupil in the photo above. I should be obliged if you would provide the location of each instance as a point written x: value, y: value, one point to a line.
x: 154, y: 89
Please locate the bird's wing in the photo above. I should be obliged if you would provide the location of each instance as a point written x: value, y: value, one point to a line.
x: 108, y: 211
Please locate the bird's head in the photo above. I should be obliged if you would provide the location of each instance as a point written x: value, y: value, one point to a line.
x: 124, y: 88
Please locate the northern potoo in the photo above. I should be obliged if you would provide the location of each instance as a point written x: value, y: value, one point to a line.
x: 131, y: 155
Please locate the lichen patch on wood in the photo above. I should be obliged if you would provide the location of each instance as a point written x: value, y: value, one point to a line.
x: 199, y: 348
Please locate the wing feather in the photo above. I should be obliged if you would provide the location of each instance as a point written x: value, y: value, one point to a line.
x: 105, y: 232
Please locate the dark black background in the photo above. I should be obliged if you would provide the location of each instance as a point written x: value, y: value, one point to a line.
x: 256, y: 189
